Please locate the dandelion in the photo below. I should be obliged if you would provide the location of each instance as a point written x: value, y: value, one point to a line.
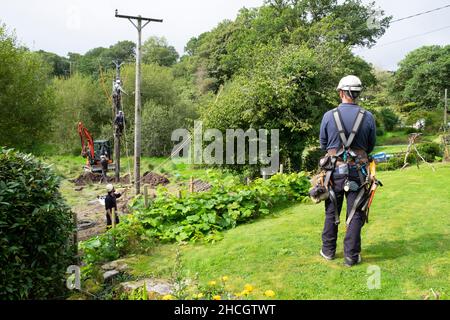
x: 212, y: 283
x: 245, y: 293
x: 224, y: 278
x: 168, y: 297
x: 217, y: 297
x: 269, y: 293
x: 248, y: 287
x: 200, y: 295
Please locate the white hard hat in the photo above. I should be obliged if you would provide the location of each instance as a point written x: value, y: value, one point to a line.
x: 109, y: 187
x: 350, y: 83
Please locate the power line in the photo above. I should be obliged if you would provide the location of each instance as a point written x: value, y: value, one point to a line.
x: 407, y: 38
x: 420, y: 14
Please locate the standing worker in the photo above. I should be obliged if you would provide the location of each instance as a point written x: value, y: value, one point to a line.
x: 348, y: 135
x: 110, y: 203
x: 104, y: 164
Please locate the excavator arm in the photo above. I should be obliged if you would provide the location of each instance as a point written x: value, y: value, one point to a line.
x: 87, y: 143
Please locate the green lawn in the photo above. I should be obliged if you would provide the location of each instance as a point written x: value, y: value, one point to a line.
x: 408, y: 238
x: 391, y: 149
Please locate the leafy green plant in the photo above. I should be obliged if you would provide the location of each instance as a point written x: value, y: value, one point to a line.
x: 430, y: 151
x: 36, y: 227
x: 195, y: 216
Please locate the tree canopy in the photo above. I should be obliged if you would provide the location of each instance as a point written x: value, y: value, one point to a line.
x: 26, y: 101
x: 423, y: 76
x: 158, y: 51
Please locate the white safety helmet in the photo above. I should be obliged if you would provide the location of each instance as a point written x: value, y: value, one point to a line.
x: 109, y: 188
x: 350, y: 83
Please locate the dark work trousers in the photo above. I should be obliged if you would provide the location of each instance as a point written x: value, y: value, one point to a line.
x: 352, y: 241
x: 109, y: 219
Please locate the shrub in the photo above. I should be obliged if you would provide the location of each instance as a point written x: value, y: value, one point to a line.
x: 411, y: 130
x: 380, y: 131
x: 311, y: 161
x: 390, y: 119
x: 430, y: 151
x: 408, y: 107
x: 396, y: 163
x: 35, y: 229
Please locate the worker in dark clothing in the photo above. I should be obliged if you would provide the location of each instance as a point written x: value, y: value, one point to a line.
x: 104, y: 164
x: 110, y: 203
x: 120, y: 123
x: 349, y: 172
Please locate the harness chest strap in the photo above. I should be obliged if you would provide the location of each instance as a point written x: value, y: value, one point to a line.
x: 358, y: 121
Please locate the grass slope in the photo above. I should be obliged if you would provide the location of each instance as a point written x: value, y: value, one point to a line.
x: 408, y: 237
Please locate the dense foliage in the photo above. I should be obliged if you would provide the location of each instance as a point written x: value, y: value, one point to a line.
x: 423, y: 76
x: 79, y: 98
x: 26, y: 101
x: 157, y: 51
x: 36, y: 227
x: 196, y: 216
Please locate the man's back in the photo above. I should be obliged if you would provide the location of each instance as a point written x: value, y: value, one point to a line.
x: 329, y: 134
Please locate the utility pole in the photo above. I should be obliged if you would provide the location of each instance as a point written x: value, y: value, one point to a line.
x: 445, y: 111
x: 138, y: 108
x: 117, y: 106
x: 445, y: 138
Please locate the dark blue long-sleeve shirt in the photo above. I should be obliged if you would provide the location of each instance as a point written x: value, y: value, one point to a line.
x: 365, y: 138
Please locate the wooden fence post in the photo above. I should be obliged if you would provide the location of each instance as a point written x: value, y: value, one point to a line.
x: 146, y: 196
x: 75, y: 235
x: 113, y: 217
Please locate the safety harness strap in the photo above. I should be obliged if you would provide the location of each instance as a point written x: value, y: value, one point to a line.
x: 340, y: 127
x: 333, y: 197
x: 356, y: 204
x: 330, y: 172
x: 357, y: 124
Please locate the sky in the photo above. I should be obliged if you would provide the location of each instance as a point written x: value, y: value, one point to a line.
x: 63, y: 26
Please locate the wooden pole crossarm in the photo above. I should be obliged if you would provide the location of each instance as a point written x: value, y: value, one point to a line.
x: 137, y: 17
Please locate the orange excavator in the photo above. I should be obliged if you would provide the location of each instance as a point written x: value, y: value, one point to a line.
x: 93, y: 150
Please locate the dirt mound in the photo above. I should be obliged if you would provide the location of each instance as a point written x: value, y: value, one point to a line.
x: 87, y: 178
x: 149, y: 178
x: 154, y: 179
x: 201, y: 186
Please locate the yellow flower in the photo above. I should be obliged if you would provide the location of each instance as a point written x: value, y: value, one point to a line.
x: 200, y: 295
x: 216, y: 298
x: 224, y: 278
x: 168, y: 297
x: 238, y: 294
x: 248, y: 287
x: 269, y: 293
x: 245, y: 293
x: 212, y: 283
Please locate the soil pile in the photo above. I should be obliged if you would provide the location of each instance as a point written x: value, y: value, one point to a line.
x: 90, y: 178
x: 87, y: 178
x: 154, y: 179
